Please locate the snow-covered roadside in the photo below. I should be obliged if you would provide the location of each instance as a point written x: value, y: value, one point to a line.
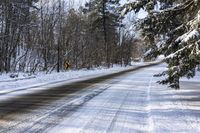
x: 176, y: 110
x: 11, y: 85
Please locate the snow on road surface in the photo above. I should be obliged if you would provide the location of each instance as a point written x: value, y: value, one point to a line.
x: 137, y: 104
x: 24, y: 81
x: 128, y: 103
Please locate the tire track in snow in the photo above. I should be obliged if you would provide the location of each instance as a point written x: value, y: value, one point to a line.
x: 117, y: 109
x: 23, y: 124
x: 150, y: 119
x: 103, y: 114
x: 116, y: 114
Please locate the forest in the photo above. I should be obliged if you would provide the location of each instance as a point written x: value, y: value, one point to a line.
x: 38, y: 35
x: 43, y: 35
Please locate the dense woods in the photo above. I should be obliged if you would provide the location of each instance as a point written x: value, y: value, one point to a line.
x: 42, y: 35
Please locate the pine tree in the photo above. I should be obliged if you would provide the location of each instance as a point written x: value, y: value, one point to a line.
x: 177, y: 23
x: 104, y: 20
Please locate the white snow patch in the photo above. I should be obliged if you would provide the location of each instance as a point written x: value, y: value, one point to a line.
x: 188, y: 36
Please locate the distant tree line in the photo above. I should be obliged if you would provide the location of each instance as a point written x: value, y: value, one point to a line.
x: 42, y: 35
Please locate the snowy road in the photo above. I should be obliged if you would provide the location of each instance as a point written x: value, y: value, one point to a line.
x: 127, y: 103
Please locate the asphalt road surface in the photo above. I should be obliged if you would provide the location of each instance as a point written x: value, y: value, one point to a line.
x: 127, y: 102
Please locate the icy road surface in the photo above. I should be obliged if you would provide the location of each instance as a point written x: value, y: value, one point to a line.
x: 128, y: 103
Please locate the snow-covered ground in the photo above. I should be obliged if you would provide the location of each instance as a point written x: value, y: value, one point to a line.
x: 23, y: 81
x: 129, y: 103
x: 195, y: 79
x: 137, y: 104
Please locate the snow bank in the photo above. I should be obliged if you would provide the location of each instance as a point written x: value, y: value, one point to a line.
x: 22, y: 82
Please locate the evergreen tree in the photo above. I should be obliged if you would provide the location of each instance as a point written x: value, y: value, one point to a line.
x: 104, y: 20
x: 177, y: 23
